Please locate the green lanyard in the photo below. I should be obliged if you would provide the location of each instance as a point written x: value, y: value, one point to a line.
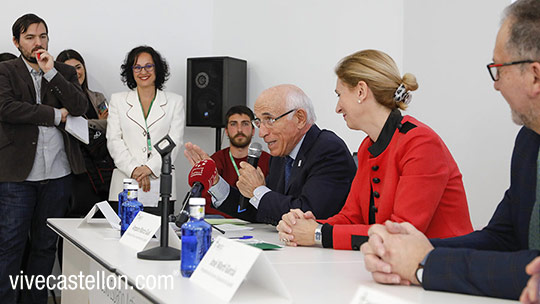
x: 148, y: 140
x: 233, y: 163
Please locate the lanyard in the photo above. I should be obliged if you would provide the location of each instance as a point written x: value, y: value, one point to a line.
x: 233, y: 163
x: 148, y: 141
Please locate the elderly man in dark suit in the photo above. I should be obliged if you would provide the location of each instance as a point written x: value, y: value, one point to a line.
x: 310, y: 169
x: 37, y: 156
x: 490, y: 261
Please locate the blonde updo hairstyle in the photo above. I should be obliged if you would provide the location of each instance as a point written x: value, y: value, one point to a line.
x: 379, y: 72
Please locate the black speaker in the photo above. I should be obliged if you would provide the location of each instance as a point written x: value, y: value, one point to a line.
x: 214, y: 84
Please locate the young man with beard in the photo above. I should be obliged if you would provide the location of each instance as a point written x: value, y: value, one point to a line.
x: 37, y: 156
x: 240, y: 130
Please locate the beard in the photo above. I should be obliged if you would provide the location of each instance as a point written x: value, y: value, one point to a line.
x: 28, y: 57
x: 517, y: 118
x: 528, y: 119
x: 238, y: 142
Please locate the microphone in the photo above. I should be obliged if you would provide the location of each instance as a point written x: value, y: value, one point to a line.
x: 254, y: 152
x: 201, y: 177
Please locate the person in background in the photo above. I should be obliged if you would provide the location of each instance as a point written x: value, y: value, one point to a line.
x: 405, y: 171
x: 141, y: 117
x: 492, y: 261
x: 240, y: 131
x: 37, y: 155
x: 7, y: 56
x: 310, y: 169
x: 93, y: 186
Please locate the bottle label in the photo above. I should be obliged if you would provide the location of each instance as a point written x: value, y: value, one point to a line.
x: 132, y: 194
x: 196, y: 211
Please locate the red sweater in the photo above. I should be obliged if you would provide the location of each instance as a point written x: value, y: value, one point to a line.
x: 226, y: 170
x: 414, y: 179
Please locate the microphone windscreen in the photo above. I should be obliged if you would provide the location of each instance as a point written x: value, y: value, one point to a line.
x: 255, y: 150
x: 203, y: 172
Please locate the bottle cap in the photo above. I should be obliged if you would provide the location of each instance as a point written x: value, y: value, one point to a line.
x: 128, y: 181
x: 197, y: 201
x: 132, y: 187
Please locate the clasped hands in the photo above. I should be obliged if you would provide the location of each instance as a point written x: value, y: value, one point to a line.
x: 142, y: 175
x: 297, y: 228
x: 394, y: 251
x: 249, y: 179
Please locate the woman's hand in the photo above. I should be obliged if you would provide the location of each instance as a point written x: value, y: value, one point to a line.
x: 104, y: 114
x: 142, y: 175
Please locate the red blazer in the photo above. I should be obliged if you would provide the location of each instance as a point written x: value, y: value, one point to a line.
x: 414, y: 179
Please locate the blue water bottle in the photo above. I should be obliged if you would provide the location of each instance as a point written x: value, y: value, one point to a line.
x: 122, y: 196
x: 130, y: 208
x: 196, y: 237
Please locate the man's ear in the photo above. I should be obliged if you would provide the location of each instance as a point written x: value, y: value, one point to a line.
x: 15, y: 42
x: 301, y: 117
x: 535, y: 69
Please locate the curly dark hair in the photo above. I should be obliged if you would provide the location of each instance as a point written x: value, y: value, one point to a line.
x: 161, y: 67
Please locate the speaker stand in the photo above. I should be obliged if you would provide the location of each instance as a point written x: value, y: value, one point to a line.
x: 218, y: 139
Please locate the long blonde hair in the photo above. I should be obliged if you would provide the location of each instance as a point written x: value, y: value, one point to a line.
x: 380, y: 73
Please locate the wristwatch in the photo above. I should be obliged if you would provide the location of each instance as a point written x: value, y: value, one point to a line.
x: 318, y: 235
x: 419, y: 273
x: 420, y: 270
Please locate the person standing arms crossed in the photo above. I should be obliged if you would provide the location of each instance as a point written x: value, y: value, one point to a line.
x: 37, y: 155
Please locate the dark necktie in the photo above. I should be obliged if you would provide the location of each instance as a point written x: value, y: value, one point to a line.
x: 534, y: 224
x: 288, y: 167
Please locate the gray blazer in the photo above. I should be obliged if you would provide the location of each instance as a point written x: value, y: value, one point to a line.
x: 96, y: 99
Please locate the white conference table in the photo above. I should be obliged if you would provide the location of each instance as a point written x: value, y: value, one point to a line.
x: 311, y: 275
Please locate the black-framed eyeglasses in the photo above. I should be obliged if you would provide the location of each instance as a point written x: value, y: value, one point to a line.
x: 149, y: 68
x: 493, y: 67
x: 269, y: 122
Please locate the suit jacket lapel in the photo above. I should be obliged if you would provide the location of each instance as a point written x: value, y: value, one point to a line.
x: 157, y: 111
x: 44, y: 88
x: 22, y: 70
x: 135, y: 111
x: 309, y: 140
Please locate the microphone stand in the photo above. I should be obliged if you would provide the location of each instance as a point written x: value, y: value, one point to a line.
x: 163, y: 252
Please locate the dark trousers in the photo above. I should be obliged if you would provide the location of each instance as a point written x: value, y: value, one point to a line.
x: 24, y: 210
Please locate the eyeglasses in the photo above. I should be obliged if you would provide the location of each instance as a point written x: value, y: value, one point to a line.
x: 149, y: 68
x: 269, y: 122
x: 493, y: 67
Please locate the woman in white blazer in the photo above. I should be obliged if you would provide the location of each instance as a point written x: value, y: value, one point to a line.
x: 139, y: 118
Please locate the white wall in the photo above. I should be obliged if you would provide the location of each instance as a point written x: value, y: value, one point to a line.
x: 301, y: 41
x: 446, y: 44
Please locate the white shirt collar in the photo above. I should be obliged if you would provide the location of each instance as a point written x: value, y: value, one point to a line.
x: 296, y: 149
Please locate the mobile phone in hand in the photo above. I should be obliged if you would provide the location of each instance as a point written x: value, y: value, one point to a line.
x: 102, y: 107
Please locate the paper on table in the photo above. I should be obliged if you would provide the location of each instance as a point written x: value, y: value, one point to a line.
x: 219, y: 221
x: 150, y: 198
x: 78, y: 127
x: 231, y: 227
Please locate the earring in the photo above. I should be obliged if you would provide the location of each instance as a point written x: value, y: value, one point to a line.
x: 359, y: 101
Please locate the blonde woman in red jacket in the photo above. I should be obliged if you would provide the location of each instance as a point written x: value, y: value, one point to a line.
x: 405, y: 171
